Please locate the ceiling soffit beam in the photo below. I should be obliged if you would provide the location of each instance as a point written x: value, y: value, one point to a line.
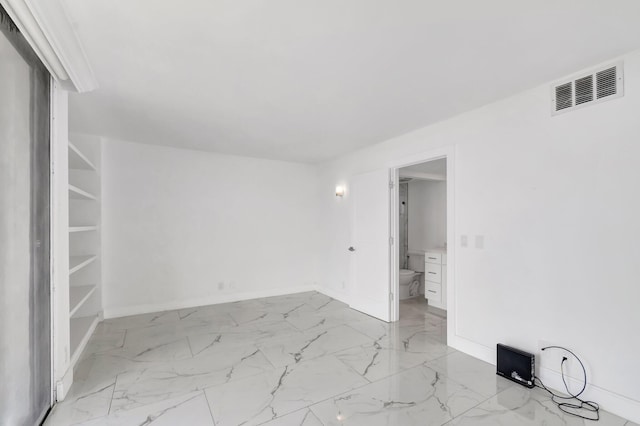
x: 422, y: 176
x: 46, y: 27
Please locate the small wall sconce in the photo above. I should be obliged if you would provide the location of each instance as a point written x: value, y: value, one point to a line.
x: 339, y: 191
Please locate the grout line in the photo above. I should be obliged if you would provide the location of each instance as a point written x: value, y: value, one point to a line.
x: 124, y: 339
x: 268, y: 360
x: 115, y: 383
x: 209, y: 406
x: 190, y: 348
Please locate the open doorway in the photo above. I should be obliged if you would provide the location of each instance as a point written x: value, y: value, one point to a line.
x: 422, y: 227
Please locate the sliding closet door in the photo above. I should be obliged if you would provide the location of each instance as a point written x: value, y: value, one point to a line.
x: 25, y: 319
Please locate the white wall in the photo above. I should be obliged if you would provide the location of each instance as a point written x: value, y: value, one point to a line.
x: 177, y: 223
x: 558, y: 203
x: 427, y: 214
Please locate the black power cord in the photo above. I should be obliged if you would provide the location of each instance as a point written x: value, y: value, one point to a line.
x: 572, y: 404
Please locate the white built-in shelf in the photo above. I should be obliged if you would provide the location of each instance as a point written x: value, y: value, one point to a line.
x: 78, y: 262
x: 79, y: 194
x: 82, y: 228
x: 80, y: 329
x: 77, y: 160
x: 78, y: 295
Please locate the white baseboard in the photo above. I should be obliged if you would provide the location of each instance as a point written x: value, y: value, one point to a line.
x: 609, y: 401
x: 124, y: 311
x: 63, y: 385
x: 472, y: 348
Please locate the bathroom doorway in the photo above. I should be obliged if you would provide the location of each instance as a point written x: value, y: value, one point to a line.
x: 422, y: 227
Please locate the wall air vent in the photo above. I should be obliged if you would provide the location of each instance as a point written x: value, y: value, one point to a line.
x: 587, y: 89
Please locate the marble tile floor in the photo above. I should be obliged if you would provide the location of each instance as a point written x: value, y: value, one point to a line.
x: 300, y: 359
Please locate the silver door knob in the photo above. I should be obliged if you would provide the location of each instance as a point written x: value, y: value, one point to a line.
x: 352, y: 249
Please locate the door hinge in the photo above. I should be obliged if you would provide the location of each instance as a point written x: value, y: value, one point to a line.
x: 391, y: 296
x: 390, y: 241
x: 390, y: 184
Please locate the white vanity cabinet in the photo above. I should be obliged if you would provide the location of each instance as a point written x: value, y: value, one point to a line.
x: 435, y: 277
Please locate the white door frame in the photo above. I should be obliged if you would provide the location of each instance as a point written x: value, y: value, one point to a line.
x: 436, y: 154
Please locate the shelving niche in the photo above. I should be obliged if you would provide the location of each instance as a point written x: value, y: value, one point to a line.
x: 85, y: 305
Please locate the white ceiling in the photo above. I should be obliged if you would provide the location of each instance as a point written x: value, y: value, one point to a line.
x: 310, y: 80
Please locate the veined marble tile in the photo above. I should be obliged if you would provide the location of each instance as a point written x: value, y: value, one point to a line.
x: 314, y: 321
x: 417, y: 342
x: 255, y: 316
x: 144, y: 320
x: 374, y: 362
x: 417, y: 396
x: 100, y: 370
x: 143, y: 352
x: 191, y: 409
x: 243, y: 335
x: 413, y: 339
x: 304, y: 417
x: 375, y: 329
x: 519, y: 406
x: 159, y: 381
x: 473, y: 373
x: 267, y: 396
x: 286, y: 307
x: 287, y: 298
x: 312, y: 344
x: 104, y: 339
x: 320, y: 302
x: 214, y: 314
x: 166, y: 333
x: 85, y: 401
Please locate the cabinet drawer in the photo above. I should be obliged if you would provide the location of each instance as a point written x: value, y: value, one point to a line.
x: 430, y: 257
x: 433, y: 292
x: 432, y: 272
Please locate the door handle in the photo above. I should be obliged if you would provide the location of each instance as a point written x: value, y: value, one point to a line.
x: 352, y: 249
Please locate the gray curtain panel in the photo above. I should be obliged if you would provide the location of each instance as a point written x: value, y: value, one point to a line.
x: 25, y: 299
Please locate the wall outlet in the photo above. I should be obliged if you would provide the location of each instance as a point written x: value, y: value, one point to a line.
x: 221, y: 285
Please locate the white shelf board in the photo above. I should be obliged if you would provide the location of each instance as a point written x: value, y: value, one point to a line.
x: 78, y: 262
x: 77, y: 160
x: 79, y: 194
x: 82, y: 228
x: 78, y: 295
x: 81, y: 329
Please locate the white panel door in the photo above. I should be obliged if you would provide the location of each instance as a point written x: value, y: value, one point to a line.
x: 370, y: 250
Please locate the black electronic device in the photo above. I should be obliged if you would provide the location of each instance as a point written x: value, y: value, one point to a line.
x: 516, y: 365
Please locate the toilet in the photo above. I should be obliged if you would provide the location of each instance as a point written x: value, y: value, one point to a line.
x: 409, y: 283
x: 410, y: 279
